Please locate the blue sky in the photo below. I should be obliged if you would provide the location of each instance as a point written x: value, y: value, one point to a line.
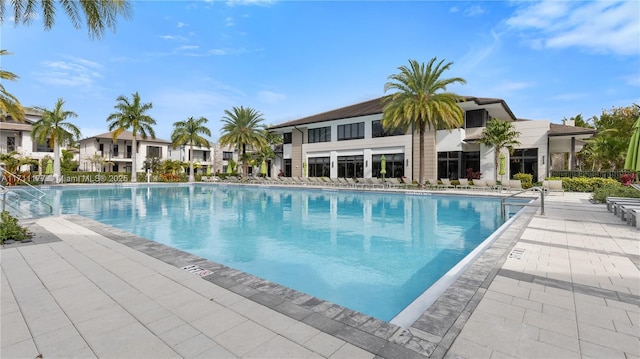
x: 291, y: 59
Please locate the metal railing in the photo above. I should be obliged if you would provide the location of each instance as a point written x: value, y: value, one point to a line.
x: 503, y: 201
x: 17, y: 192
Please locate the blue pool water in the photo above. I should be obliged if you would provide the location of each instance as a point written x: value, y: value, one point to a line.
x: 371, y: 252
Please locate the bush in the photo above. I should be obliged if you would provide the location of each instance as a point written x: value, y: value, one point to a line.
x: 584, y: 184
x: 525, y: 179
x: 614, y: 190
x: 10, y: 229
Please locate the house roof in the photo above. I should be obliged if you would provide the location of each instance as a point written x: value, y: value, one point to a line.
x: 126, y: 136
x: 563, y: 130
x: 375, y: 106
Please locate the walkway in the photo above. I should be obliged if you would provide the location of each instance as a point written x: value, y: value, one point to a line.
x: 562, y: 285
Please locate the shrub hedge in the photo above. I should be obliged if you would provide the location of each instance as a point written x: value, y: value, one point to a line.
x: 614, y: 190
x: 585, y: 184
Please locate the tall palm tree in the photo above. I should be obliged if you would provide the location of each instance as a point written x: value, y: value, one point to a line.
x: 189, y: 132
x: 421, y: 102
x: 499, y: 134
x: 99, y: 15
x: 53, y: 127
x: 9, y: 104
x: 241, y: 128
x: 131, y: 115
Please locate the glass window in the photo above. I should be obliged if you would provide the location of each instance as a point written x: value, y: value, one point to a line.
x: 322, y: 134
x: 286, y: 138
x: 351, y: 131
x: 449, y: 164
x: 154, y: 151
x: 476, y: 118
x: 378, y: 131
x: 319, y: 167
x: 351, y: 166
x: 226, y: 155
x: 524, y: 161
x: 394, y: 166
x: 44, y: 147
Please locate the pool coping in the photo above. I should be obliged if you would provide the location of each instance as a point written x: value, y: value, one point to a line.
x: 431, y: 335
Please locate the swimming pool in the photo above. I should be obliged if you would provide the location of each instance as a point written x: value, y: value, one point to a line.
x: 369, y: 251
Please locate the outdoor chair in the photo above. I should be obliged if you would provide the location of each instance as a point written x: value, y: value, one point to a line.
x: 393, y: 182
x: 464, y: 184
x: 515, y: 185
x: 492, y: 185
x: 446, y: 183
x: 553, y: 186
x: 374, y: 182
x: 479, y: 184
x: 432, y: 183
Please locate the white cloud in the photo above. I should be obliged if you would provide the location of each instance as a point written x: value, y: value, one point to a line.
x: 188, y: 47
x: 454, y: 9
x: 600, y: 26
x: 572, y: 96
x: 472, y: 59
x: 77, y: 72
x: 474, y: 10
x: 250, y: 2
x: 229, y: 21
x: 181, y: 25
x: 173, y: 38
x: 271, y: 97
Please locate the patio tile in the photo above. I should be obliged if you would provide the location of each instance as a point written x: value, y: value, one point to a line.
x: 13, y: 329
x: 349, y: 351
x: 24, y: 349
x: 132, y: 341
x: 324, y: 344
x: 214, y: 324
x: 279, y: 347
x: 235, y: 341
x: 609, y: 339
x: 201, y: 346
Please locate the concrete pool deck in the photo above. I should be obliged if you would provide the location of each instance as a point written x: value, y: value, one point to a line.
x: 566, y: 284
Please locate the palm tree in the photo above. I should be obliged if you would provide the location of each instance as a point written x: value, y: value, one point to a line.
x: 53, y: 128
x: 421, y: 102
x: 189, y: 132
x: 131, y: 115
x: 241, y: 128
x: 499, y: 134
x: 9, y: 104
x: 98, y: 14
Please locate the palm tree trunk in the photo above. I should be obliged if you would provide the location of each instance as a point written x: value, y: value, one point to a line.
x: 56, y: 161
x: 134, y: 162
x: 496, y: 162
x: 191, y: 175
x: 421, y: 166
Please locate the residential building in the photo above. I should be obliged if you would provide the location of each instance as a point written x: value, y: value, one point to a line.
x: 15, y: 136
x: 350, y: 142
x: 102, y: 153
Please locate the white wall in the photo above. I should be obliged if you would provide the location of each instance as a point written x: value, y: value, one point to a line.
x: 533, y: 134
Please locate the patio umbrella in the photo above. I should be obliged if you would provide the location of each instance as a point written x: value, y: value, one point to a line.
x: 49, y: 169
x: 304, y: 169
x: 502, y: 165
x: 632, y: 162
x: 208, y: 170
x: 263, y: 168
x: 229, y: 169
x: 383, y: 164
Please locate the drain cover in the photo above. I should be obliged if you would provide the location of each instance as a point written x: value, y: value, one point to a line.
x: 517, y: 253
x: 193, y: 269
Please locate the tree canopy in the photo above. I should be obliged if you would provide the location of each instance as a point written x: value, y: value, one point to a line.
x: 421, y: 101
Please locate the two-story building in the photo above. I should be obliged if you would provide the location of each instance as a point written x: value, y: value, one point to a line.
x: 101, y: 153
x: 15, y: 136
x: 350, y: 142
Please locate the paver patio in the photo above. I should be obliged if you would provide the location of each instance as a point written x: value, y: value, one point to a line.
x: 572, y: 290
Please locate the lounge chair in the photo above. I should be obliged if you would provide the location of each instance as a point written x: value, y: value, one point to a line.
x: 374, y: 182
x: 479, y: 184
x: 446, y: 183
x: 515, y: 185
x: 464, y: 184
x: 555, y: 186
x: 493, y: 185
x: 394, y: 183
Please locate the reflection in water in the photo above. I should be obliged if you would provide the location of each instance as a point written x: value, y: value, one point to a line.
x: 345, y: 247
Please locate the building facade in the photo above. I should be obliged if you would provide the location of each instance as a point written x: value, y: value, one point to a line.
x: 351, y: 142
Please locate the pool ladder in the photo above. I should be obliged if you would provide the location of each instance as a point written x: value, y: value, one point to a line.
x: 503, y: 201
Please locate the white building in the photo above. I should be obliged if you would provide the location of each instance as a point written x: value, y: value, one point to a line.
x: 15, y: 136
x: 350, y: 141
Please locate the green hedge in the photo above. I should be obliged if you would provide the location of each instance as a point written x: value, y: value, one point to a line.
x: 584, y: 184
x: 526, y: 180
x: 614, y: 190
